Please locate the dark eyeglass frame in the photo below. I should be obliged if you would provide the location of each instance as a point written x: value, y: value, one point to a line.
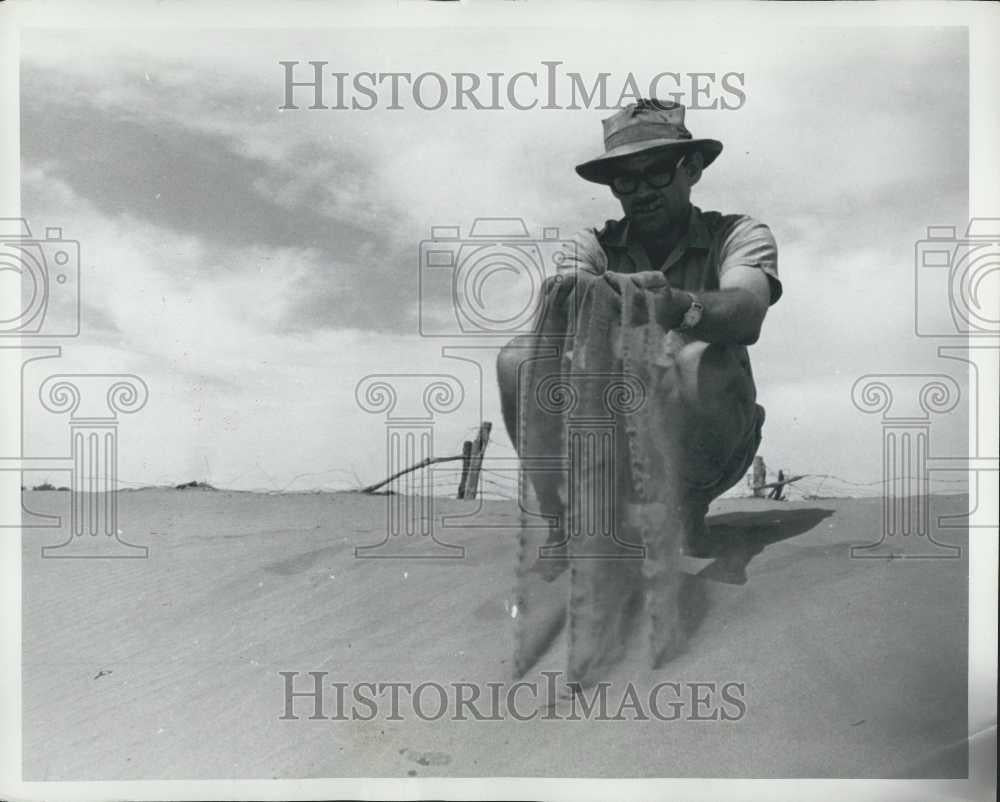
x: 655, y: 176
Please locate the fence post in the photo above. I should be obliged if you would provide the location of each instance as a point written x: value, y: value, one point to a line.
x: 466, y: 455
x: 476, y: 460
x: 759, y: 477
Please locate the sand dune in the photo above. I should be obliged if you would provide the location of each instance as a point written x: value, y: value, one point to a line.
x: 169, y: 666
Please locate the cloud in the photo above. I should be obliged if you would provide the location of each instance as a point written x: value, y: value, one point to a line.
x: 195, y: 188
x: 256, y: 263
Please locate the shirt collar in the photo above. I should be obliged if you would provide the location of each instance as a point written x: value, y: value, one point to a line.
x: 697, y: 234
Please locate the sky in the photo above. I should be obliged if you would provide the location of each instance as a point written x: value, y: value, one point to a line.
x: 254, y: 264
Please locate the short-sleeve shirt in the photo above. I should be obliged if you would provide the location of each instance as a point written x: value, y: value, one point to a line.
x: 714, y: 244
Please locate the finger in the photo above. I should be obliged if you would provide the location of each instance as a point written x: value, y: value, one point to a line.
x: 614, y: 280
x: 649, y: 279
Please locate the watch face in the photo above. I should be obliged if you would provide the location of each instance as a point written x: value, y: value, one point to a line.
x: 692, y: 316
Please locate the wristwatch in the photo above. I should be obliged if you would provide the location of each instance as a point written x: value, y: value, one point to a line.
x: 693, y: 315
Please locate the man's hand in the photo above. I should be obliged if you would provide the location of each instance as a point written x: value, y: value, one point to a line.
x: 650, y: 280
x: 668, y: 306
x: 562, y: 292
x: 646, y: 280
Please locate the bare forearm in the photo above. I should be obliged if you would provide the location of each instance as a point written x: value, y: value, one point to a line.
x: 731, y: 315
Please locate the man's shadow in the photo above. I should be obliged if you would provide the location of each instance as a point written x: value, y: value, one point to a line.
x: 733, y: 540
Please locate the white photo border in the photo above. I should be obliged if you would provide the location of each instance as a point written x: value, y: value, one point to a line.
x: 983, y: 23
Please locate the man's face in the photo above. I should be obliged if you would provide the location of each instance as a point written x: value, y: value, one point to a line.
x: 647, y: 202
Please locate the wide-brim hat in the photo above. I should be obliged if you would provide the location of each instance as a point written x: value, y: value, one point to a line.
x: 645, y: 127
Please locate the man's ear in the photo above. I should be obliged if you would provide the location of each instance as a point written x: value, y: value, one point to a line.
x: 693, y: 166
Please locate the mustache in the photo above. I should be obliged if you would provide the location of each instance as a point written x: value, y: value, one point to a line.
x: 647, y: 203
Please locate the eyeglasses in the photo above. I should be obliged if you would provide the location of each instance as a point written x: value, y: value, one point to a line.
x: 659, y: 176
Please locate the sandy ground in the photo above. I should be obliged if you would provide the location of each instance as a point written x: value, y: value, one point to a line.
x: 167, y: 667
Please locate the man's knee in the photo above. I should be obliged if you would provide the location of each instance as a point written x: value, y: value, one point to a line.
x: 706, y: 376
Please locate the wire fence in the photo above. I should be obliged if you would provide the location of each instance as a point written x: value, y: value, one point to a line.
x: 443, y: 481
x: 500, y: 479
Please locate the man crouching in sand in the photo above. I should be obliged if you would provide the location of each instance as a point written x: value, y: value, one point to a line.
x: 708, y: 278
